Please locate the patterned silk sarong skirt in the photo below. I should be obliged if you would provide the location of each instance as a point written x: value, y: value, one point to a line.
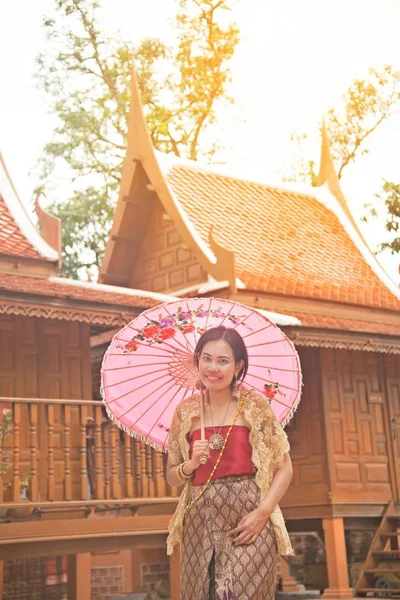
x: 212, y: 566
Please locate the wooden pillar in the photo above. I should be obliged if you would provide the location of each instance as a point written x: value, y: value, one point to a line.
x: 175, y: 574
x: 79, y: 576
x: 289, y: 583
x: 336, y: 559
x: 1, y: 579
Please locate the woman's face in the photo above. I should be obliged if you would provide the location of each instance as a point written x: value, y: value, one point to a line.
x: 217, y: 365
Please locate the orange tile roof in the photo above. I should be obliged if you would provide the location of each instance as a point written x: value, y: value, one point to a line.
x: 12, y: 240
x: 285, y: 242
x: 55, y: 288
x: 343, y: 324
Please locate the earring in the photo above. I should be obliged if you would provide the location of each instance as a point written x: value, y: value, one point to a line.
x: 235, y: 387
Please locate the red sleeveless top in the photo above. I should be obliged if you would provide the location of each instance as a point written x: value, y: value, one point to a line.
x: 236, y: 459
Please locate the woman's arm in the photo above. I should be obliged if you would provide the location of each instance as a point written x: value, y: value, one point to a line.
x: 251, y: 525
x: 280, y: 483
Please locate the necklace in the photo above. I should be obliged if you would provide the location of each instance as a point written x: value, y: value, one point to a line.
x: 216, y: 441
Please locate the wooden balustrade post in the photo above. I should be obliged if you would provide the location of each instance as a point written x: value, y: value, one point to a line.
x: 79, y: 580
x: 97, y: 455
x: 128, y: 466
x: 149, y: 469
x: 158, y: 474
x: 106, y: 451
x: 138, y: 465
x: 83, y: 452
x: 50, y: 452
x: 67, y: 453
x: 115, y: 491
x: 336, y: 559
x: 33, y: 480
x: 16, y: 484
x: 143, y: 475
x: 175, y: 574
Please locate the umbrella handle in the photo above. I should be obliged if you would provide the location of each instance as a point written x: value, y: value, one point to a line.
x: 203, y: 459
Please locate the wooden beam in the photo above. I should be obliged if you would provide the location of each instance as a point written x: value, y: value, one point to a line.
x: 69, y: 536
x: 79, y: 579
x: 175, y: 573
x: 336, y: 558
x: 105, y: 544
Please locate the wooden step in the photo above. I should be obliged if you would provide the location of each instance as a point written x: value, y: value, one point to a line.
x: 393, y: 534
x: 384, y: 571
x: 381, y: 591
x: 387, y: 553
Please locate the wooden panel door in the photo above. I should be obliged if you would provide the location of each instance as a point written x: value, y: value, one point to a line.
x: 392, y: 369
x: 354, y: 402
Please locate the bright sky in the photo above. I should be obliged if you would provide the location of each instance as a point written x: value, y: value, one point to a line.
x: 295, y: 60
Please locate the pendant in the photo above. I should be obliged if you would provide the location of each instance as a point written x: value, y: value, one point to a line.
x: 216, y: 441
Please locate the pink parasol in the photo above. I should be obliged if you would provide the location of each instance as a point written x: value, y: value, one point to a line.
x: 148, y: 368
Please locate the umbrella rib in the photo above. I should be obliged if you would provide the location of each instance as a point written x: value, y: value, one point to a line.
x: 271, y: 356
x: 193, y: 325
x: 258, y: 331
x: 106, y: 387
x: 265, y: 343
x: 241, y: 322
x: 135, y: 366
x: 275, y: 368
x: 189, y: 347
x: 144, y: 345
x: 167, y: 406
x: 228, y: 313
x: 134, y: 390
x: 208, y: 313
x: 269, y: 381
x: 165, y: 342
x: 142, y: 400
x: 153, y: 346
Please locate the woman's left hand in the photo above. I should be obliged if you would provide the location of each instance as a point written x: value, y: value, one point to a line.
x: 249, y: 527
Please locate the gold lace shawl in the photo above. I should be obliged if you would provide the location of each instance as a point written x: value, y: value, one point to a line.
x: 269, y: 444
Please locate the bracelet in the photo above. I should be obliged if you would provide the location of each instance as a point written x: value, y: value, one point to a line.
x: 183, y: 478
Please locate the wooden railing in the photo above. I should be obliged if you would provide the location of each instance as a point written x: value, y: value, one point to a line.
x: 68, y: 450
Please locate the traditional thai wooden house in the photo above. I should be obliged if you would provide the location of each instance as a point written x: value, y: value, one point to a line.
x: 71, y: 485
x: 186, y: 229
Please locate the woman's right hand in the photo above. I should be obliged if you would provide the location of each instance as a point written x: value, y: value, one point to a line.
x: 200, y: 449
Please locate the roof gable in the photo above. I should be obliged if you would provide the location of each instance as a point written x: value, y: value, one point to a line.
x: 19, y: 237
x: 300, y: 243
x: 285, y: 242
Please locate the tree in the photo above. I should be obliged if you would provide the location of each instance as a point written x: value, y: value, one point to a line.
x: 388, y: 202
x: 366, y: 104
x: 86, y: 74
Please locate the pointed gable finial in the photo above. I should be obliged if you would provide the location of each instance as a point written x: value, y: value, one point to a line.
x: 327, y: 175
x: 50, y: 226
x: 226, y: 260
x: 327, y: 172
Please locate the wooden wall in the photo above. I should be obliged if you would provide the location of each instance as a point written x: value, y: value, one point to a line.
x: 164, y: 263
x: 355, y: 417
x: 46, y: 359
x: 306, y: 432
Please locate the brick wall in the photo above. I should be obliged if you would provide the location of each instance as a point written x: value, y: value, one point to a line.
x: 106, y: 581
x: 150, y: 573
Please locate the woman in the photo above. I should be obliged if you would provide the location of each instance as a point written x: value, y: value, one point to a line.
x: 227, y: 521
